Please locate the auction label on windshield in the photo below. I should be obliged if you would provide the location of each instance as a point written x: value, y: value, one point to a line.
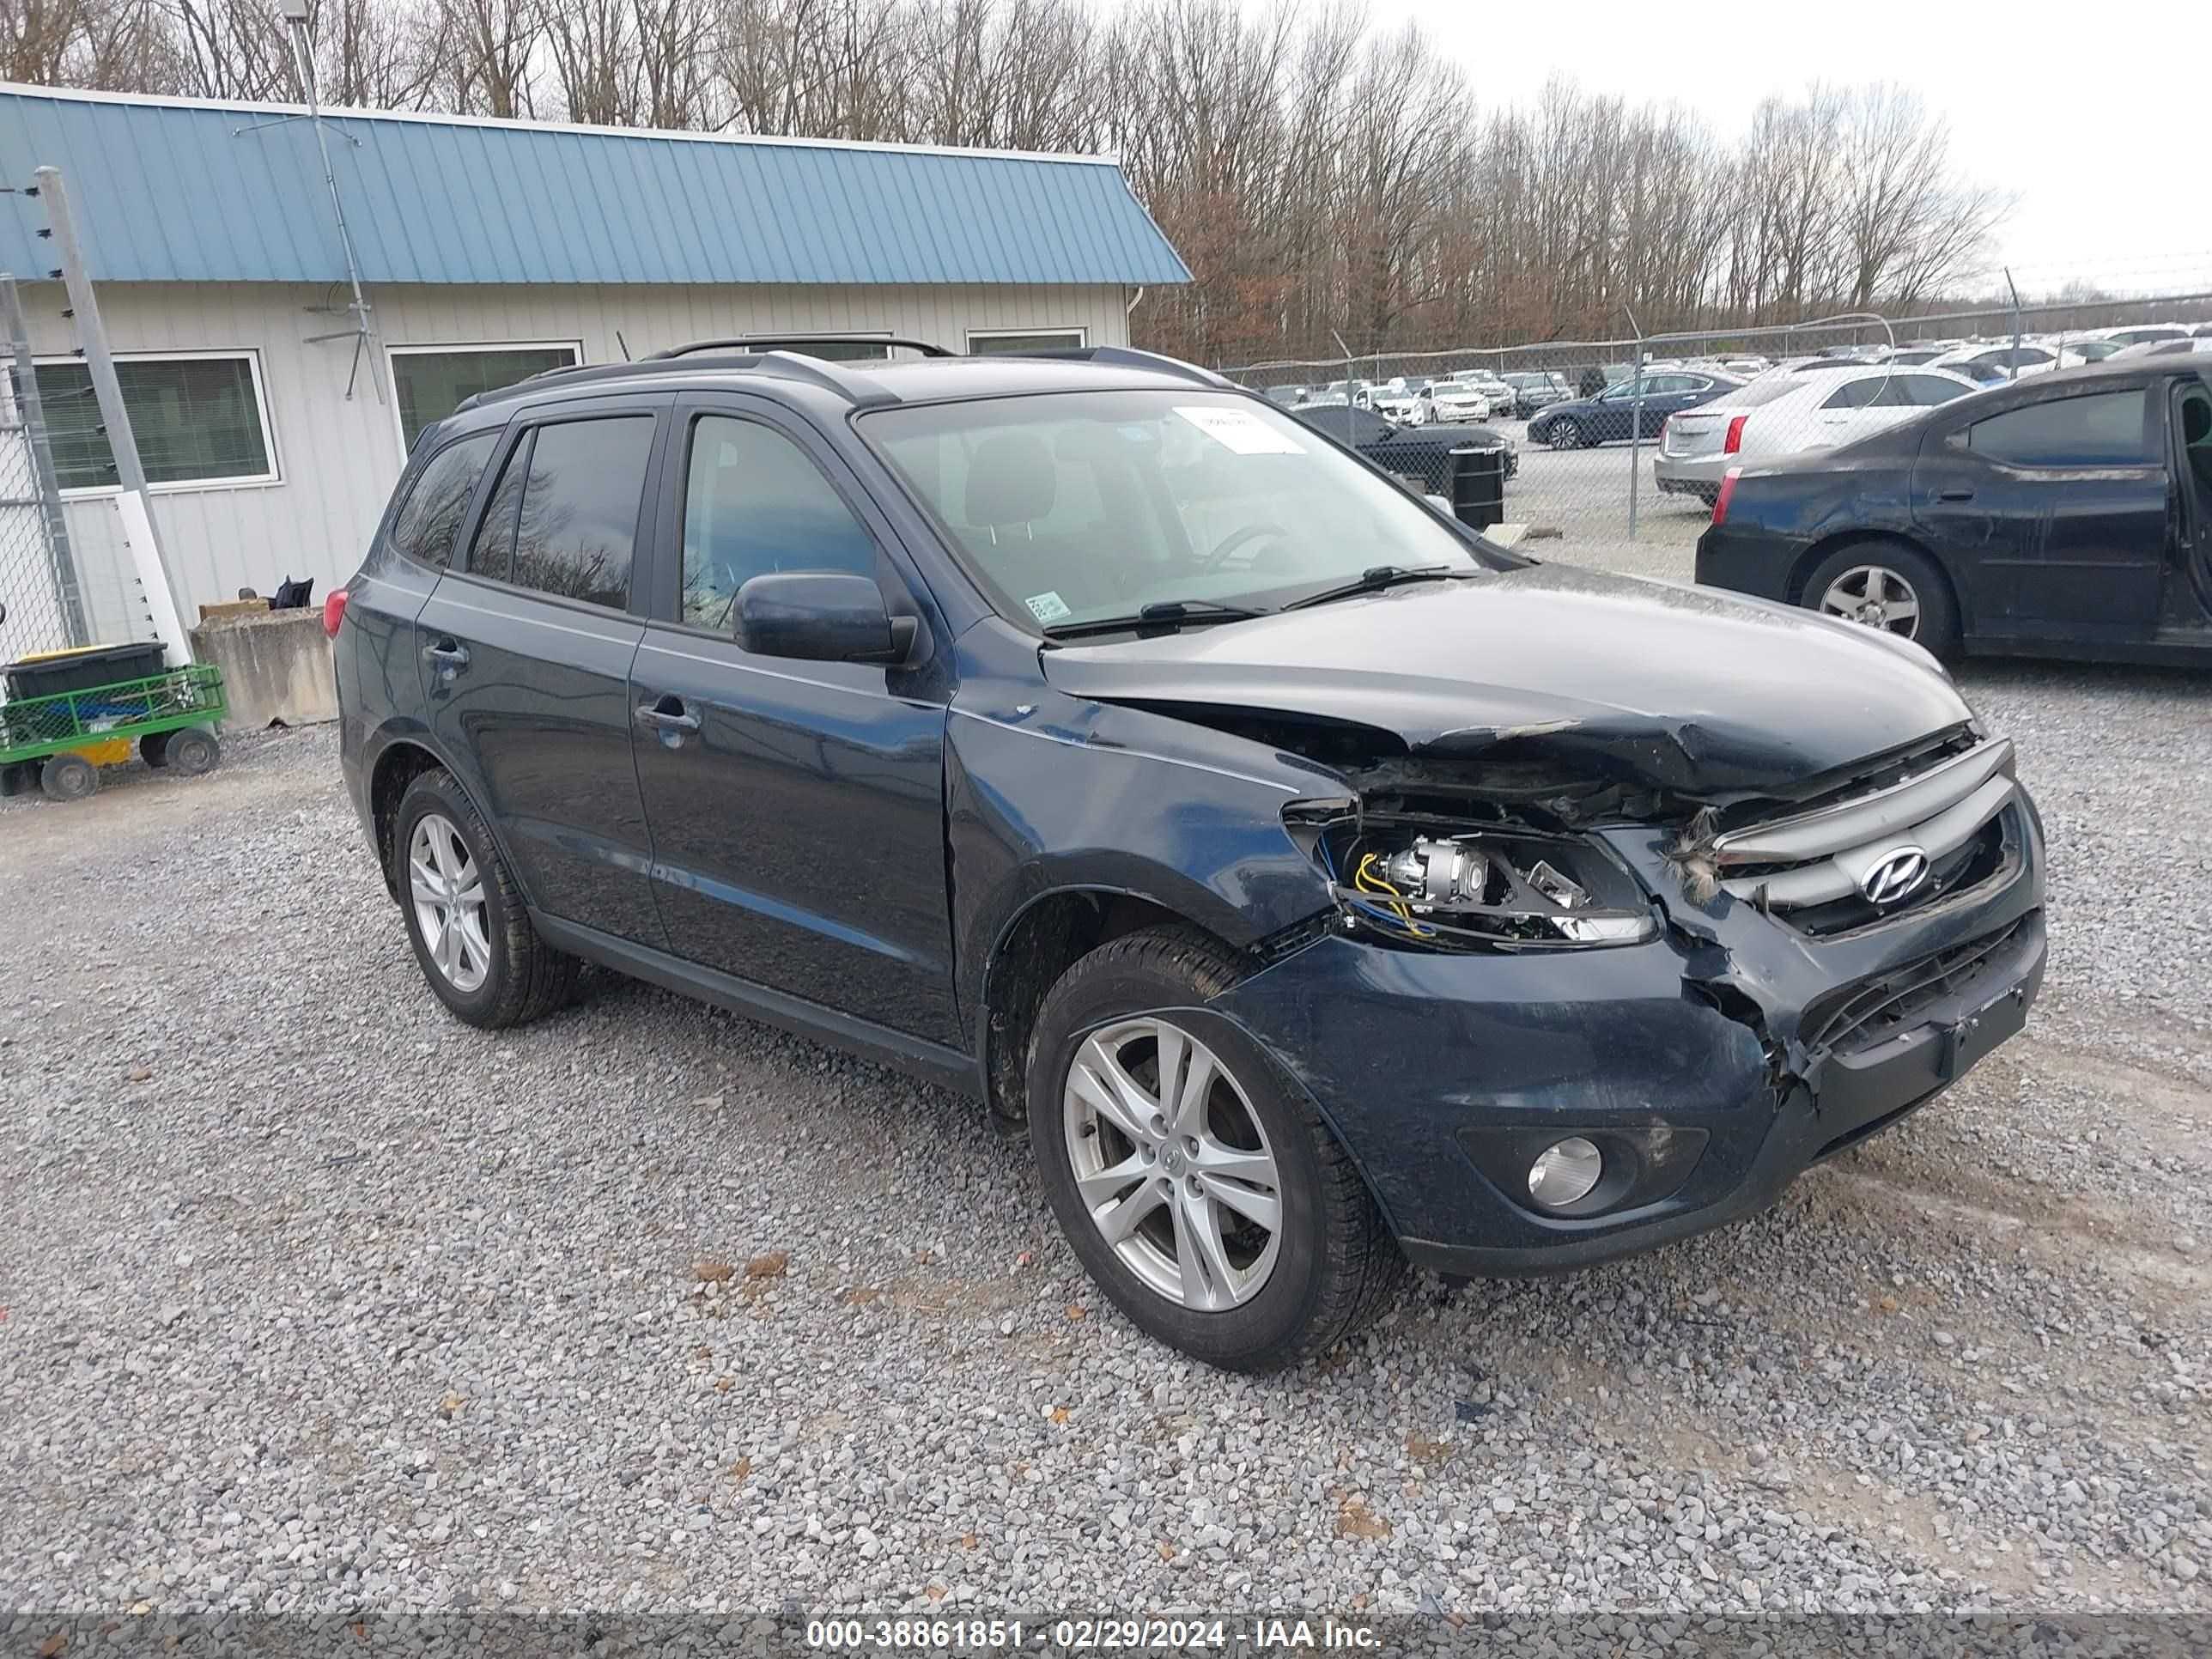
x: 1047, y: 606
x: 1242, y: 430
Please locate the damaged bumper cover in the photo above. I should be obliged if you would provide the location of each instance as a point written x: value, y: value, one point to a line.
x: 1712, y: 1065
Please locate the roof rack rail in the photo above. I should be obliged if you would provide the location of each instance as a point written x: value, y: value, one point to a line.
x: 857, y: 389
x: 798, y: 343
x: 1129, y: 357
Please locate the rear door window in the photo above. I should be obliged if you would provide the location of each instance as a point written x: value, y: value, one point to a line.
x: 427, y: 524
x: 1857, y: 394
x: 2104, y: 429
x: 575, y: 526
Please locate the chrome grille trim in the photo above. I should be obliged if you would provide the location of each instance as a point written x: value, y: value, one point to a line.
x: 1828, y: 853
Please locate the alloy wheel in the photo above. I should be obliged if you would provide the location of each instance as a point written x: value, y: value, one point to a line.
x: 1567, y: 434
x: 1173, y: 1167
x: 448, y: 892
x: 1876, y: 596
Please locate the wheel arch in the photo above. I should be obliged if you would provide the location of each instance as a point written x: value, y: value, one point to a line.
x: 1049, y: 934
x: 1801, y: 572
x: 405, y: 756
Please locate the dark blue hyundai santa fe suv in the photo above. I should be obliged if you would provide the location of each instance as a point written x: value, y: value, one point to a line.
x: 1318, y: 886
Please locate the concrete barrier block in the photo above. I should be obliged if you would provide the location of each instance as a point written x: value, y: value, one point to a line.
x: 276, y: 666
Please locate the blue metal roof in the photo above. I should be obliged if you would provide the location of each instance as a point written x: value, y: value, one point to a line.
x: 170, y: 191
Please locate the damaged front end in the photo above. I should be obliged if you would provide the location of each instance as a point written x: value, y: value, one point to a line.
x: 1522, y: 960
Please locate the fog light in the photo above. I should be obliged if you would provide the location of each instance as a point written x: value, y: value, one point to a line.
x: 1564, y: 1173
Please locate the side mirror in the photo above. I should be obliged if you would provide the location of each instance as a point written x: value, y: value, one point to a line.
x: 821, y: 616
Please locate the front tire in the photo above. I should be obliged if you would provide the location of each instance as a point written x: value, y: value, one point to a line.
x: 1566, y: 434
x: 1887, y: 584
x: 68, y: 777
x: 1200, y: 1188
x: 466, y: 918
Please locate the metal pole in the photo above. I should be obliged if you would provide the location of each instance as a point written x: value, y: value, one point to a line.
x: 303, y: 48
x: 1636, y: 426
x: 136, y: 504
x: 42, y: 463
x: 2012, y: 370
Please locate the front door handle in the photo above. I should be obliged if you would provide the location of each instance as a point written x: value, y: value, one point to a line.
x: 669, y: 715
x: 1954, y: 494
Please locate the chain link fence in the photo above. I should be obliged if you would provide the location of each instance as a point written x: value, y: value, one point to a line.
x: 44, y: 608
x: 1600, y: 454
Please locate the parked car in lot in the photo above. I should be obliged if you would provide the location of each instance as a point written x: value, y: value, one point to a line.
x: 2068, y: 515
x: 1455, y: 401
x: 2011, y: 362
x: 1419, y: 451
x: 1611, y: 415
x: 1786, y: 414
x: 1400, y: 406
x: 1535, y: 389
x: 2166, y: 347
x: 2143, y: 334
x: 1318, y: 887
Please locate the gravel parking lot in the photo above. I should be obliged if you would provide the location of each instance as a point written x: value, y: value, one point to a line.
x: 315, y: 1298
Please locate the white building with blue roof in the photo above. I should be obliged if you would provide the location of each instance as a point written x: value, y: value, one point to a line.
x: 272, y: 429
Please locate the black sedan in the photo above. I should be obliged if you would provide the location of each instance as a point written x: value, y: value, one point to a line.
x: 1410, y: 452
x: 1610, y: 416
x: 2068, y: 515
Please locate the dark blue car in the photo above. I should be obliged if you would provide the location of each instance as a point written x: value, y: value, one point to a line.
x: 1319, y: 888
x: 1611, y: 415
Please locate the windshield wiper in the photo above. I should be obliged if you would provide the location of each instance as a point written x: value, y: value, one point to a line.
x: 1161, y: 613
x: 1375, y: 578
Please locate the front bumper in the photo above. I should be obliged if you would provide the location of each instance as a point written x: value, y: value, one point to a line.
x: 1445, y: 1073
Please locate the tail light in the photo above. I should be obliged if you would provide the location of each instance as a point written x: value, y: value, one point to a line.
x: 1733, y: 444
x: 334, y: 611
x: 1728, y: 492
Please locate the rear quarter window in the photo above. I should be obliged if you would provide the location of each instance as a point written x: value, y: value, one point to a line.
x: 430, y: 518
x: 2104, y: 429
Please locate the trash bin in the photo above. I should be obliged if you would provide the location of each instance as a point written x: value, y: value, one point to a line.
x: 52, y: 672
x: 1478, y: 487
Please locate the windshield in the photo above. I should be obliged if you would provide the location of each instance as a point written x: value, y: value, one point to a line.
x: 1084, y: 505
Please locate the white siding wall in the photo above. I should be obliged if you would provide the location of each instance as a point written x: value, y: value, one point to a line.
x: 338, y: 458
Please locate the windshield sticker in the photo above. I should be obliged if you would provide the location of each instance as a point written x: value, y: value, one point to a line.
x: 1242, y: 430
x: 1047, y: 607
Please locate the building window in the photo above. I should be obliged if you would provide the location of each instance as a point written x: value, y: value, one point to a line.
x: 199, y: 419
x: 1016, y: 344
x: 430, y: 382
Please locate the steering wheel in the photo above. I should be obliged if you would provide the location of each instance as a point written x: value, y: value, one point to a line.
x: 1237, y: 538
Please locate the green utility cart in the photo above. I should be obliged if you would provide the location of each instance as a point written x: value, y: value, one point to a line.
x: 69, y: 712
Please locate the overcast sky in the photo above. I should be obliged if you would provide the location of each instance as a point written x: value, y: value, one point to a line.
x: 2110, y: 158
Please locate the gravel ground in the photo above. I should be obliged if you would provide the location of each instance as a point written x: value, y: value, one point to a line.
x: 315, y: 1298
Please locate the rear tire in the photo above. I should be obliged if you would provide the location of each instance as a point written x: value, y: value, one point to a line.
x: 1867, y: 581
x: 465, y: 917
x: 190, y: 751
x: 68, y: 777
x: 154, y: 749
x: 1328, y: 1266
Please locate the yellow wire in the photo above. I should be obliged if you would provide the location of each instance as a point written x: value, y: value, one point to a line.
x: 1367, y: 882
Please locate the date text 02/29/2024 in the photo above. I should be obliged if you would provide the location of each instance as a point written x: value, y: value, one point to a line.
x: 1092, y: 1635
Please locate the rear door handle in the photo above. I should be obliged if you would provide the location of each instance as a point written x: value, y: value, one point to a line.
x: 662, y: 717
x: 1954, y: 494
x: 446, y: 655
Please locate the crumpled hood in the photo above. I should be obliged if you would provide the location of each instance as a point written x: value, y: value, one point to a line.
x: 1685, y: 688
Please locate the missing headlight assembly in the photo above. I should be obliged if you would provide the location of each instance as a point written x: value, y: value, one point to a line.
x: 1423, y: 880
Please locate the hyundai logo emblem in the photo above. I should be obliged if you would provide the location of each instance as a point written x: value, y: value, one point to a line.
x: 1895, y: 874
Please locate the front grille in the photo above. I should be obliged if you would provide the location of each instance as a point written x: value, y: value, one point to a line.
x: 1814, y: 868
x: 1857, y: 1017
